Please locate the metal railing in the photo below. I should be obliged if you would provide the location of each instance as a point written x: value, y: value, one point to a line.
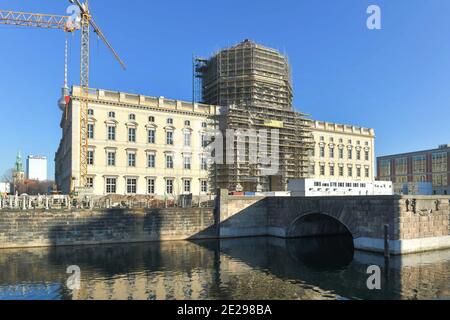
x: 65, y: 202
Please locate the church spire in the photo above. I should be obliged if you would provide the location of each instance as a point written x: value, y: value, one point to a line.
x: 18, y: 166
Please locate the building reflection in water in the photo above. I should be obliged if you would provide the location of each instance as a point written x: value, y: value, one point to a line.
x: 253, y: 268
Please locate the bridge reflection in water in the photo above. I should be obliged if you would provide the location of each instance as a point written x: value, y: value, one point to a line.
x: 252, y: 268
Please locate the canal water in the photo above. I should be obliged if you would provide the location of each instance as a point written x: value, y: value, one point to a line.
x: 250, y: 268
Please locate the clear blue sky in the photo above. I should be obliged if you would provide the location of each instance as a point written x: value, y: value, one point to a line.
x: 396, y: 80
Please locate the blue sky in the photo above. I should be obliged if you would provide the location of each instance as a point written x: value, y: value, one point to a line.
x: 396, y: 80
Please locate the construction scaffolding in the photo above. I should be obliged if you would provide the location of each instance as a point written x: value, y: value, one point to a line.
x: 253, y: 84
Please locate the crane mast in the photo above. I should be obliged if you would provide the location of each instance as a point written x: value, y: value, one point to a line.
x: 84, y: 101
x: 60, y: 22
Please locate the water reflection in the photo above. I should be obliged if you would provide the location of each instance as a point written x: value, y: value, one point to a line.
x: 253, y: 268
x: 323, y: 253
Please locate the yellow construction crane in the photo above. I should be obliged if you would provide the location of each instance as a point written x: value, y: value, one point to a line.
x: 81, y: 20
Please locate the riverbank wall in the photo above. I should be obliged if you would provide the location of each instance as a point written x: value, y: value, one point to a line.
x: 397, y: 224
x: 40, y: 228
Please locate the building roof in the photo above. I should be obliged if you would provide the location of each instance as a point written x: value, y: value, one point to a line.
x: 341, y: 128
x: 444, y: 147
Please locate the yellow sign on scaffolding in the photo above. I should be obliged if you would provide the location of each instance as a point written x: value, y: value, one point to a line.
x: 274, y: 123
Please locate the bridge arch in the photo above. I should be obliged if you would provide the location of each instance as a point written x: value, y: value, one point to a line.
x: 319, y: 224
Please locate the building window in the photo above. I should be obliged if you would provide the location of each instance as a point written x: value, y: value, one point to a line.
x: 419, y: 164
x: 203, y: 140
x: 132, y: 159
x: 111, y: 185
x: 131, y: 185
x: 366, y: 155
x: 204, y: 164
x: 350, y: 171
x: 401, y: 179
x: 187, y: 139
x: 187, y: 162
x: 169, y: 137
x: 385, y: 168
x: 151, y: 136
x: 151, y: 186
x: 350, y: 154
x: 132, y: 117
x: 151, y: 163
x: 341, y: 153
x: 91, y: 131
x: 367, y: 172
x: 322, y: 170
x: 358, y: 155
x: 131, y: 134
x: 111, y: 114
x: 332, y: 171
x: 90, y: 182
x: 322, y: 152
x: 169, y: 161
x: 204, y: 125
x: 111, y: 133
x: 439, y: 162
x: 440, y: 180
x: 401, y: 166
x: 187, y: 186
x: 90, y: 112
x: 170, y: 121
x: 420, y: 178
x: 111, y: 155
x: 169, y: 186
x: 151, y: 119
x: 90, y: 157
x: 187, y: 123
x: 331, y: 152
x: 358, y: 172
x: 312, y: 169
x: 341, y: 171
x: 204, y: 186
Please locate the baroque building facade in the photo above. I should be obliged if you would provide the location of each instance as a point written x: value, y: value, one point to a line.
x: 137, y: 145
x: 342, y: 152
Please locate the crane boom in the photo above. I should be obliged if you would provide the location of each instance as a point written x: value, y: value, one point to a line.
x: 99, y: 32
x: 62, y: 22
x: 25, y: 19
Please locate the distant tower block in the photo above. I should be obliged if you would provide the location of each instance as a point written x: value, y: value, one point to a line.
x: 37, y: 168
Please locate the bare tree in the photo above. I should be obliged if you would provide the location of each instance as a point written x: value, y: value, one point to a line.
x: 7, y: 176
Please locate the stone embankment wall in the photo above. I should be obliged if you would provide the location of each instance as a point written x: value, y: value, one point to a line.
x: 56, y: 228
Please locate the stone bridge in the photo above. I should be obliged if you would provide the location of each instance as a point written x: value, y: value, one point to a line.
x: 415, y: 223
